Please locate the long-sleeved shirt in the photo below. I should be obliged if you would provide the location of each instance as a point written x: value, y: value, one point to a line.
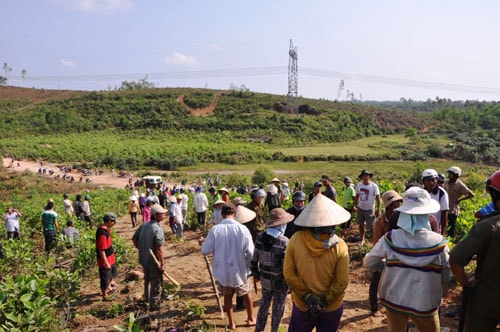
x: 267, y: 261
x: 232, y: 248
x: 200, y: 202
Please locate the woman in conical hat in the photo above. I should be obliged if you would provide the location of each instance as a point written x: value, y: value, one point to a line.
x: 316, y: 267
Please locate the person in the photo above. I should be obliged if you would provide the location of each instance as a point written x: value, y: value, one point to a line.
x: 150, y: 236
x: 200, y: 203
x: 106, y: 260
x: 415, y: 265
x: 286, y: 191
x: 272, y: 197
x: 366, y: 203
x: 430, y: 182
x: 330, y: 191
x: 146, y: 211
x: 277, y: 183
x: 142, y: 202
x: 70, y: 233
x: 184, y: 205
x: 133, y: 209
x: 441, y: 179
x: 11, y: 218
x: 162, y: 198
x: 348, y: 203
x: 176, y: 213
x: 224, y: 194
x: 68, y: 205
x: 256, y: 205
x: 299, y: 202
x: 457, y: 192
x: 86, y: 211
x: 50, y: 226
x: 316, y: 190
x: 216, y: 216
x: 267, y: 267
x: 392, y: 200
x: 214, y: 195
x: 231, y: 246
x: 481, y: 304
x: 317, y: 297
x: 77, y: 207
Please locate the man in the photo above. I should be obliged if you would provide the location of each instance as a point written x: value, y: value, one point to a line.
x: 430, y: 182
x: 214, y: 195
x: 150, y: 236
x: 273, y: 199
x: 70, y: 232
x: 367, y: 194
x: 457, y: 192
x: 277, y: 183
x: 86, y: 211
x: 483, y: 289
x: 316, y: 267
x: 231, y: 246
x: 330, y: 191
x: 349, y: 194
x: 77, y: 207
x: 316, y: 190
x: 200, y: 203
x: 106, y: 255
x: 176, y: 214
x: 414, y: 264
x: 50, y: 226
x: 256, y: 205
x: 299, y: 202
x: 184, y: 204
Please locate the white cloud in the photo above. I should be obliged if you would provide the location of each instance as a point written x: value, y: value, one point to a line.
x: 180, y: 59
x: 89, y: 6
x: 68, y: 64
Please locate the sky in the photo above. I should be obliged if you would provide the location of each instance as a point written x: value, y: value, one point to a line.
x: 380, y: 49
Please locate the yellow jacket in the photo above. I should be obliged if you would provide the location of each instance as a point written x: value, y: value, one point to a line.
x: 310, y: 268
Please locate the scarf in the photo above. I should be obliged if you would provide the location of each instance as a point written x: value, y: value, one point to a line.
x: 413, y: 222
x: 276, y: 231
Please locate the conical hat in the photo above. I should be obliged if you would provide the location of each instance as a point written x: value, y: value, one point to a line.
x: 244, y: 215
x: 322, y: 212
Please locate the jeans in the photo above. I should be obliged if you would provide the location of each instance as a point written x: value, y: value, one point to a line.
x: 50, y: 237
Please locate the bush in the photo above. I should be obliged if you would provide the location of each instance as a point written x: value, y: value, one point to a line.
x: 262, y: 175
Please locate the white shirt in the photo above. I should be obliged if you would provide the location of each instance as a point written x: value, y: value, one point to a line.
x: 176, y: 213
x: 12, y: 222
x: 184, y: 202
x: 367, y: 194
x: 200, y: 202
x: 443, y: 203
x: 232, y: 247
x: 68, y: 206
x: 216, y: 217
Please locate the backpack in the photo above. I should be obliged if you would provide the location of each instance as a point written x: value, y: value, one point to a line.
x: 273, y: 201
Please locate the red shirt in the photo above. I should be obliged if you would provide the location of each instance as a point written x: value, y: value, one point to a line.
x: 103, y: 242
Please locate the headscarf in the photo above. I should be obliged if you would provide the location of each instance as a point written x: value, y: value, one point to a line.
x: 276, y: 231
x: 414, y: 222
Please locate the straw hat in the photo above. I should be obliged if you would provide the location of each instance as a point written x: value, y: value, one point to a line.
x: 390, y: 197
x: 279, y: 216
x: 244, y: 215
x: 322, y: 212
x: 223, y: 189
x: 157, y: 208
x: 172, y: 199
x: 133, y: 198
x: 239, y: 201
x: 272, y: 189
x: 219, y: 201
x: 275, y: 180
x: 418, y: 201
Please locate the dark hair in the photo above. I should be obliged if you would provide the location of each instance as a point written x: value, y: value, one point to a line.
x: 228, y: 209
x: 78, y: 197
x: 69, y: 222
x: 49, y: 206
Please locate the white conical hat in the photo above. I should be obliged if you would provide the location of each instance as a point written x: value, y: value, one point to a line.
x: 244, y: 215
x: 322, y: 212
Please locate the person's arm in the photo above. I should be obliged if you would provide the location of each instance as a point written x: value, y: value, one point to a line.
x: 18, y: 213
x: 56, y: 224
x: 377, y: 206
x: 355, y: 203
x: 444, y: 221
x: 102, y: 255
x: 339, y: 286
x: 159, y: 256
x: 461, y: 276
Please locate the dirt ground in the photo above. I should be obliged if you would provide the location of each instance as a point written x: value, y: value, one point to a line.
x: 186, y: 264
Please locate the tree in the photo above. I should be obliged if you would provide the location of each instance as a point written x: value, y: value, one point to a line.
x: 143, y: 83
x: 262, y: 175
x: 7, y: 69
x: 3, y: 80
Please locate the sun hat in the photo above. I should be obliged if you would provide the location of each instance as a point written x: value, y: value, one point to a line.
x: 279, y: 216
x: 455, y: 170
x: 418, y: 201
x: 347, y: 179
x: 109, y: 216
x: 223, y: 189
x: 272, y: 189
x: 275, y: 180
x: 219, y: 201
x: 244, y: 215
x: 239, y: 201
x: 390, y: 197
x: 318, y: 184
x: 429, y: 174
x: 149, y: 199
x: 133, y: 198
x: 172, y: 199
x: 157, y: 208
x: 365, y: 172
x: 285, y: 184
x: 178, y: 196
x: 322, y: 212
x: 142, y: 195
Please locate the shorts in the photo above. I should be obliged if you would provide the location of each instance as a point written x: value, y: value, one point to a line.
x: 241, y: 290
x: 106, y: 275
x: 367, y: 216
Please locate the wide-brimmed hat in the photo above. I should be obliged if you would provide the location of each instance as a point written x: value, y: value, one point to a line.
x: 157, y: 208
x: 142, y: 195
x: 133, y: 198
x: 279, y: 216
x: 219, y: 201
x: 272, y: 189
x: 365, y: 172
x: 223, y: 189
x: 275, y: 180
x: 239, y: 201
x: 322, y: 212
x: 418, y: 201
x: 244, y: 215
x: 390, y: 197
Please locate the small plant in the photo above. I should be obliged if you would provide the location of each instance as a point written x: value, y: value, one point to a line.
x: 133, y: 325
x: 115, y: 310
x: 194, y: 311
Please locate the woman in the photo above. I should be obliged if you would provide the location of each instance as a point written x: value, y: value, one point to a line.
x: 12, y: 222
x: 133, y: 208
x: 267, y: 267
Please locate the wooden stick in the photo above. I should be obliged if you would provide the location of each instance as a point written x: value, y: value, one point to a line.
x: 216, y: 290
x: 164, y: 272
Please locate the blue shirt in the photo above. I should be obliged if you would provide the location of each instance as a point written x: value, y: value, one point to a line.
x: 232, y: 248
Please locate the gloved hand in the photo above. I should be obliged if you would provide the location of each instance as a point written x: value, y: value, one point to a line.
x: 314, y: 305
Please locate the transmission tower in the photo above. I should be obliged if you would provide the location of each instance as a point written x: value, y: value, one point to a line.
x: 293, y: 81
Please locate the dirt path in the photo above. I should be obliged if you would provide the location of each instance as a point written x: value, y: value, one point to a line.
x: 186, y: 264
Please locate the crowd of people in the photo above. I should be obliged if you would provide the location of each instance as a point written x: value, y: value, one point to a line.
x: 301, y: 251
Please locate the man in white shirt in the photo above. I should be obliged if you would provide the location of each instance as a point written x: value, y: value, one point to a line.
x: 430, y: 182
x: 184, y: 205
x: 367, y: 194
x: 200, y: 203
x: 231, y: 246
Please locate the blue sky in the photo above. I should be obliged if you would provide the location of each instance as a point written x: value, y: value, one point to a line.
x: 383, y: 50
